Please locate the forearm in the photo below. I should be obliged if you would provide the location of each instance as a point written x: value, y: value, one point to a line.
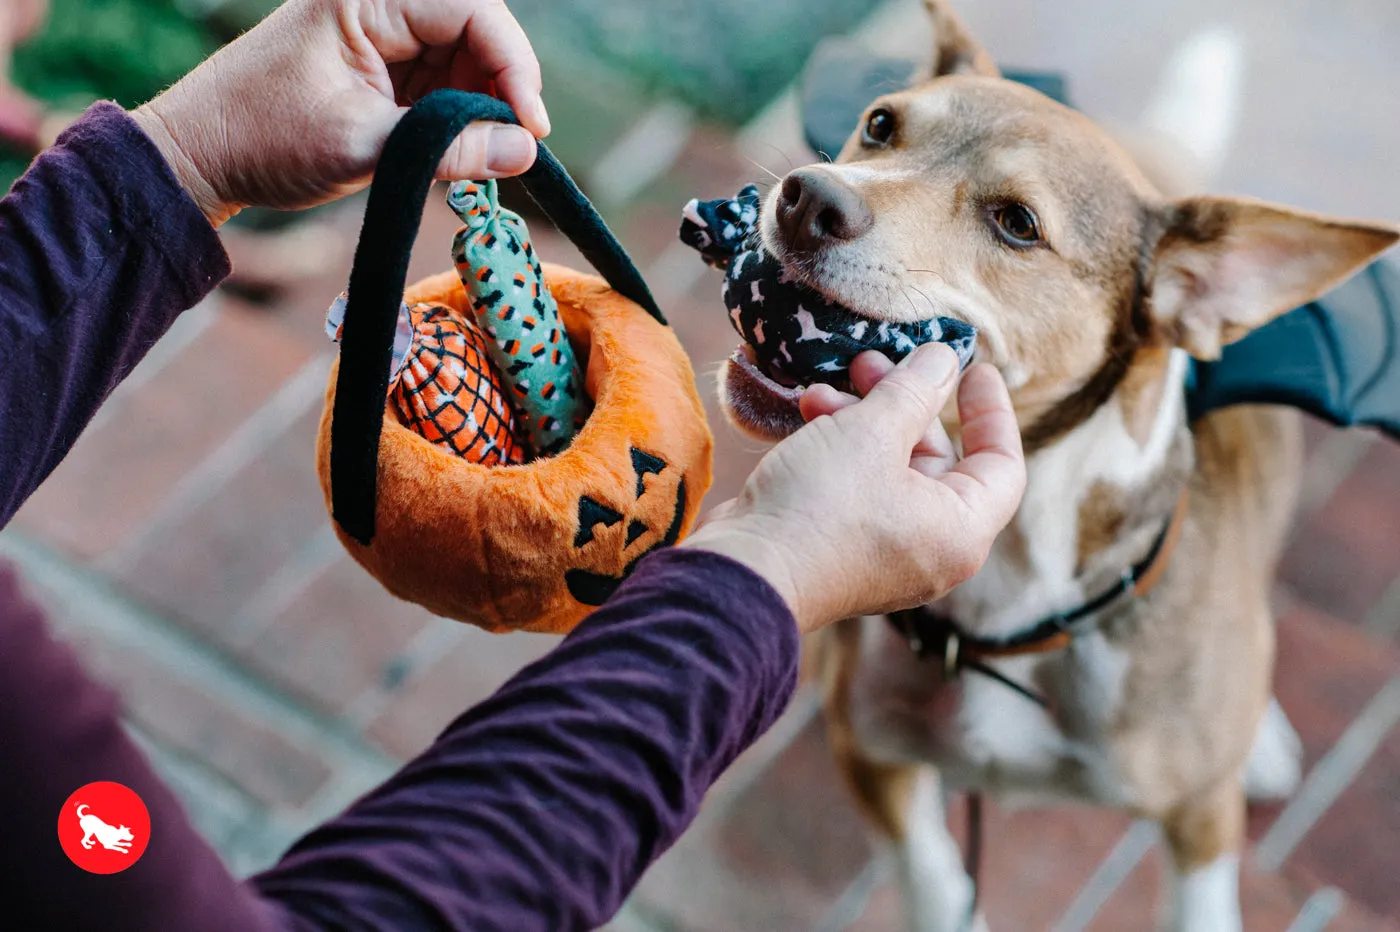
x: 100, y: 251
x: 541, y: 808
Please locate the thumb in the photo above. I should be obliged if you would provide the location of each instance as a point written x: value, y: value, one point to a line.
x: 482, y: 150
x: 900, y: 408
x: 488, y: 150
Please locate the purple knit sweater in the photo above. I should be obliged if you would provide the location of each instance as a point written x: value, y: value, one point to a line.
x: 538, y: 809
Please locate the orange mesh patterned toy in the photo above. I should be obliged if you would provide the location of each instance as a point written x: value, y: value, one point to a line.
x: 450, y: 393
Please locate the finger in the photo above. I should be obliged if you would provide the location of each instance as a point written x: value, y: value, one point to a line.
x: 488, y: 150
x: 822, y: 399
x: 934, y: 454
x: 488, y: 35
x: 482, y: 150
x: 868, y: 369
x: 902, y: 406
x: 495, y: 41
x: 992, y: 474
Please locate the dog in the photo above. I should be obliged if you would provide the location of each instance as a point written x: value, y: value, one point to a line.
x: 114, y: 838
x: 973, y: 197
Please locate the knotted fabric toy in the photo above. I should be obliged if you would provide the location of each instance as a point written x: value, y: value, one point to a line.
x: 797, y: 336
x: 513, y: 307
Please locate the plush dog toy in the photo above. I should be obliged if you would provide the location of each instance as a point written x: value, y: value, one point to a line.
x: 797, y: 335
x: 513, y: 307
x: 415, y: 452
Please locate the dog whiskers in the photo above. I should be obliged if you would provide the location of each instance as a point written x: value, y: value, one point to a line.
x: 786, y: 158
x: 929, y: 301
x: 914, y: 310
x: 763, y: 168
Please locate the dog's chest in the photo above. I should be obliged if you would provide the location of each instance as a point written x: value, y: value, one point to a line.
x: 984, y: 735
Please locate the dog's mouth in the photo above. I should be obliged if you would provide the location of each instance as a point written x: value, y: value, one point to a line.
x: 795, y: 336
x: 795, y: 332
x: 756, y: 401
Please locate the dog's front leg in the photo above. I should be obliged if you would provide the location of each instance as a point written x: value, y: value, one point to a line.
x: 1205, y: 836
x: 936, y: 891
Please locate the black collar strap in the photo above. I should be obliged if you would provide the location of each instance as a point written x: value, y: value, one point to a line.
x: 933, y: 635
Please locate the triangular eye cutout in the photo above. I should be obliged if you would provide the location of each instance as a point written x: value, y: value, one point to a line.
x: 591, y: 513
x: 643, y: 463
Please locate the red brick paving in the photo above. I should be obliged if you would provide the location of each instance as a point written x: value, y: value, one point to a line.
x: 209, y: 564
x: 337, y: 638
x: 1346, y: 556
x: 119, y: 473
x: 470, y: 672
x: 185, y: 718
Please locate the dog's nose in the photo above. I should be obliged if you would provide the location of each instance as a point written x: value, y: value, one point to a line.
x: 816, y: 207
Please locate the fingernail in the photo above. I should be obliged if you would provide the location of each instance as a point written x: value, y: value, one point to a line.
x: 508, y: 149
x: 934, y: 361
x: 541, y: 116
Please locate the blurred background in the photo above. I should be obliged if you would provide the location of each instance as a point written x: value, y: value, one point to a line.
x: 185, y: 547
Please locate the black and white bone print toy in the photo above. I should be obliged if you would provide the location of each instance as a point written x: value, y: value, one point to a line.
x: 795, y: 333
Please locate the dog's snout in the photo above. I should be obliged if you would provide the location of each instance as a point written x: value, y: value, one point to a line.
x: 816, y: 207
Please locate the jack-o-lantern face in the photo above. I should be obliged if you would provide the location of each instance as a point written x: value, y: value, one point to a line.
x: 592, y: 588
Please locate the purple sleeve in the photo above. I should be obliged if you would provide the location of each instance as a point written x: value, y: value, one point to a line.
x: 100, y: 251
x: 540, y: 808
x: 536, y: 810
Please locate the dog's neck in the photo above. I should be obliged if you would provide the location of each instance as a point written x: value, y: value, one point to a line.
x: 1095, y: 500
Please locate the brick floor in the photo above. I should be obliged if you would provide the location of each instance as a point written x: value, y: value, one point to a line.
x: 185, y: 547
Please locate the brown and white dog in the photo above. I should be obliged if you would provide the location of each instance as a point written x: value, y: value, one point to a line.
x: 973, y: 197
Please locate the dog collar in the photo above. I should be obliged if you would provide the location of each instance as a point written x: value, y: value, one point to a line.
x: 932, y: 634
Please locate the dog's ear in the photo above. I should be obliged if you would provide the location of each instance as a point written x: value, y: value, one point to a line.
x: 954, y: 49
x: 1223, y: 266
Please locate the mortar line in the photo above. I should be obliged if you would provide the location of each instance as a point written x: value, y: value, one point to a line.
x: 1336, y: 771
x: 308, y: 563
x: 853, y: 901
x: 293, y: 398
x: 1383, y: 618
x: 430, y: 643
x: 1319, y: 911
x: 1334, y: 459
x: 1120, y: 861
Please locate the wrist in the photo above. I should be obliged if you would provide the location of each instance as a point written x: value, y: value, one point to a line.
x: 758, y: 553
x: 159, y: 130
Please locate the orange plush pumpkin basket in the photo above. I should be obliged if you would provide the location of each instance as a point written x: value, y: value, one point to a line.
x: 508, y: 547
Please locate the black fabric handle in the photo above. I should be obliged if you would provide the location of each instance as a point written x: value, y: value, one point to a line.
x: 377, y: 279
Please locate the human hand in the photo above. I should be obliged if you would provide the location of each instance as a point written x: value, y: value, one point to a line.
x: 296, y: 111
x: 21, y: 117
x: 867, y: 509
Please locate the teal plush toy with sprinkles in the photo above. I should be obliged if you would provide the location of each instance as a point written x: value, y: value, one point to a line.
x: 513, y: 307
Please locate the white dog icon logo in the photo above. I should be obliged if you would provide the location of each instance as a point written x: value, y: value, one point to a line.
x: 113, y: 838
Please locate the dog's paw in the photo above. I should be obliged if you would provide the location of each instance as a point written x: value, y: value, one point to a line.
x: 1275, y: 765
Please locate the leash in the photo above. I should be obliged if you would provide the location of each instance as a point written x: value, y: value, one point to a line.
x: 933, y: 635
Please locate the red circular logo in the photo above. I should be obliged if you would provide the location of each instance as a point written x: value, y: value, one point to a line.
x: 104, y: 828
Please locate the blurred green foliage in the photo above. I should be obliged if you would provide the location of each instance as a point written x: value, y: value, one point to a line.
x: 122, y: 50
x: 724, y: 58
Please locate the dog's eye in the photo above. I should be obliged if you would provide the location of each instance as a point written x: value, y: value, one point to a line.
x: 1017, y: 224
x: 879, y: 128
